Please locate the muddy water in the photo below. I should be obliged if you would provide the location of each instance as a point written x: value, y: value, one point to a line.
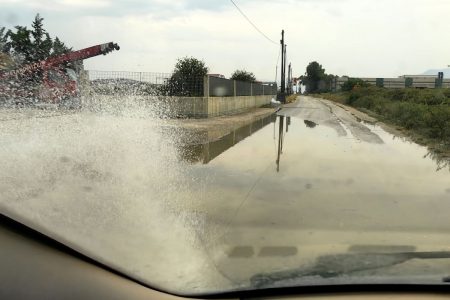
x: 205, y: 218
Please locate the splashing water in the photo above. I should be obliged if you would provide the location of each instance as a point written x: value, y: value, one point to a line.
x: 106, y: 180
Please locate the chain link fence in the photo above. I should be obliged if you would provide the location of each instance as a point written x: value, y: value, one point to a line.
x: 144, y: 83
x: 168, y: 84
x: 149, y: 77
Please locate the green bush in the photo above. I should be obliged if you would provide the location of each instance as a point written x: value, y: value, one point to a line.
x: 446, y: 93
x: 434, y: 97
x: 352, y: 83
x: 398, y: 94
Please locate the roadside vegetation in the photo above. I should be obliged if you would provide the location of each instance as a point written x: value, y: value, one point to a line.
x: 424, y: 113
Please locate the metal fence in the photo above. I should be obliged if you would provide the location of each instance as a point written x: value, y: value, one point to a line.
x: 222, y: 87
x: 150, y: 77
x: 168, y: 84
x: 145, y: 83
x: 243, y: 88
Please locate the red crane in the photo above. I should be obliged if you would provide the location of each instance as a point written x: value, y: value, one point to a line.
x: 48, y: 81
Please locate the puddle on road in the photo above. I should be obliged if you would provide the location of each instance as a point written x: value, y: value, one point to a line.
x: 205, y: 152
x: 298, y: 183
x: 314, y: 171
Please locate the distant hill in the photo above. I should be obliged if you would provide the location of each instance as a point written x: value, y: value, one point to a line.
x: 435, y: 71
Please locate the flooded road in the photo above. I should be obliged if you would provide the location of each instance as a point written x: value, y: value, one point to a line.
x: 274, y: 194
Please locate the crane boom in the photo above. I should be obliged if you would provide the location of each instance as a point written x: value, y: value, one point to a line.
x: 81, y: 54
x: 51, y: 81
x: 60, y: 59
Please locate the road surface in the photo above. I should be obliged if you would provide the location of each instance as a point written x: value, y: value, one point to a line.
x: 116, y: 188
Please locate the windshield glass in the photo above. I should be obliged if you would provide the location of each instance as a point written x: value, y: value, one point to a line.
x: 252, y: 164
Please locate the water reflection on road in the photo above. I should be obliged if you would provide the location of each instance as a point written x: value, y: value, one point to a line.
x: 205, y: 152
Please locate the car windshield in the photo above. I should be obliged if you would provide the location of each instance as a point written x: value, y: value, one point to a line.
x: 286, y: 143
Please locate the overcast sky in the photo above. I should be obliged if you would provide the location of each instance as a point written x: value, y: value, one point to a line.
x: 376, y: 38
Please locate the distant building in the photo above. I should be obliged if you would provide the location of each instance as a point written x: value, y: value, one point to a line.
x: 419, y: 76
x: 216, y: 75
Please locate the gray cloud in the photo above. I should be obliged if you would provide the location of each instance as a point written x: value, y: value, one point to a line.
x: 353, y: 37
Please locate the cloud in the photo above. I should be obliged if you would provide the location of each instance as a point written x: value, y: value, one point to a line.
x: 352, y: 37
x: 115, y: 8
x: 85, y: 3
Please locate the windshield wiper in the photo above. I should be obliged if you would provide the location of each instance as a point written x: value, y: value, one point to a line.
x: 328, y: 266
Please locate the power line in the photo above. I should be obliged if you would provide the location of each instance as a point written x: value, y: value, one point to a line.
x: 276, y: 67
x: 254, y: 26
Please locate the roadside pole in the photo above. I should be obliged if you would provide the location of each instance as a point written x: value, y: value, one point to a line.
x: 283, y: 69
x: 289, y: 85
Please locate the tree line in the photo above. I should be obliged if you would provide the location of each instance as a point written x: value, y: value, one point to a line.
x: 187, y: 77
x: 23, y: 45
x: 317, y: 80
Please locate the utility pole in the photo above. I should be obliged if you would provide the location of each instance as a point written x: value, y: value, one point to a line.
x: 284, y: 74
x: 289, y: 84
x: 283, y: 69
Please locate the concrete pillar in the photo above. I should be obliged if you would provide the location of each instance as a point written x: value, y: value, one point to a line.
x: 206, y: 86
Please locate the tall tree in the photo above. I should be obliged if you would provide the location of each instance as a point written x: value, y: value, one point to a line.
x: 187, y: 77
x: 42, y: 43
x: 20, y: 44
x: 315, y: 73
x: 59, y: 47
x: 30, y: 45
x: 242, y: 75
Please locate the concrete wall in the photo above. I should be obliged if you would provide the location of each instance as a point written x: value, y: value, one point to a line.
x: 192, y: 107
x: 218, y: 106
x: 203, y: 107
x: 196, y: 107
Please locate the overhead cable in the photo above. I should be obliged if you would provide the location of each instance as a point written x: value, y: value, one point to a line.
x: 254, y: 26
